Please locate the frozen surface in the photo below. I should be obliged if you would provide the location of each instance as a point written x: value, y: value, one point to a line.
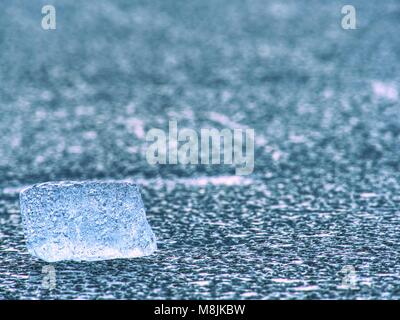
x: 85, y: 221
x: 324, y: 103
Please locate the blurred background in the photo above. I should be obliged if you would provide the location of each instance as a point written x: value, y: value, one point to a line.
x: 76, y: 103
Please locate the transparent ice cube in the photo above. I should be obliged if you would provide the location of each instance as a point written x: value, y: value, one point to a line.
x: 85, y: 221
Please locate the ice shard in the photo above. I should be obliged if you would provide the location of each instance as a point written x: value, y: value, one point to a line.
x: 85, y: 221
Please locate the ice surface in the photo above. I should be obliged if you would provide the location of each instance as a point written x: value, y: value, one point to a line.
x: 85, y: 221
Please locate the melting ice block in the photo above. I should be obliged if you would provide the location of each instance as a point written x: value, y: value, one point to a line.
x: 85, y: 221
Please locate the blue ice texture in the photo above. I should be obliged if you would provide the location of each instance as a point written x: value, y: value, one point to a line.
x: 89, y: 220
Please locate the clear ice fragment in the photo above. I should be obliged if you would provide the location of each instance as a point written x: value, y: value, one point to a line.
x: 85, y: 221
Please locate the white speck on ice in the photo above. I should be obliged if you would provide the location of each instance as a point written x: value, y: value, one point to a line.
x: 217, y: 181
x: 75, y: 149
x: 276, y: 155
x: 13, y: 190
x: 249, y: 294
x: 201, y: 283
x: 368, y: 195
x: 306, y: 288
x: 84, y: 110
x: 328, y: 93
x: 385, y: 90
x: 136, y: 126
x: 297, y: 139
x: 226, y: 121
x: 281, y: 10
x: 282, y: 280
x: 90, y: 135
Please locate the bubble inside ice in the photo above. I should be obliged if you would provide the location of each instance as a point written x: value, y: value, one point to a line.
x: 85, y: 221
